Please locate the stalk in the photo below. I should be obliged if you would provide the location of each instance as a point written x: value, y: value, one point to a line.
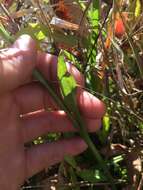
x: 5, y: 34
x: 84, y: 134
x: 78, y: 124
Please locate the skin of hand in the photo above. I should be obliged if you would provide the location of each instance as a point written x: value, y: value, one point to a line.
x: 23, y: 116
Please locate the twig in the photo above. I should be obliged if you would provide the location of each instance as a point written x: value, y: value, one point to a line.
x: 140, y: 183
x: 82, y: 18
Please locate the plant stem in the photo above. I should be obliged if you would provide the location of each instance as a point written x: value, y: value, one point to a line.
x: 5, y: 34
x: 37, y: 75
x: 79, y: 124
x: 84, y: 134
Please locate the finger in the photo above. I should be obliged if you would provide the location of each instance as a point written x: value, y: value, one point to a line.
x: 33, y: 97
x: 43, y: 156
x: 47, y: 64
x: 17, y: 63
x: 40, y: 123
x: 29, y: 98
x: 89, y: 105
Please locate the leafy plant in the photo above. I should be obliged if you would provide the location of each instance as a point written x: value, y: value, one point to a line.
x: 103, y: 39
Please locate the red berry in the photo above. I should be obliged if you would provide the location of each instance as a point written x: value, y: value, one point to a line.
x: 119, y: 27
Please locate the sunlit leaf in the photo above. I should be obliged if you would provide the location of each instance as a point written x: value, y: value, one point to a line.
x: 103, y: 133
x: 68, y: 84
x: 138, y: 8
x: 36, y: 31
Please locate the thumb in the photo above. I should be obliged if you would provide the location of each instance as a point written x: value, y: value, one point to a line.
x: 17, y: 63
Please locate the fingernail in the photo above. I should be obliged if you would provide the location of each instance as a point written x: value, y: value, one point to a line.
x: 24, y: 42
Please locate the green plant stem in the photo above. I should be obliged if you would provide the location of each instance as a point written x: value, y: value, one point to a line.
x: 37, y: 75
x: 84, y: 134
x: 79, y: 124
x: 5, y: 34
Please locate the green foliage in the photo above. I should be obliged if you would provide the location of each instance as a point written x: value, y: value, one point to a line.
x: 93, y: 15
x: 92, y: 175
x: 67, y: 81
x: 4, y: 34
x: 138, y: 8
x: 104, y: 132
x: 67, y: 84
x: 36, y: 30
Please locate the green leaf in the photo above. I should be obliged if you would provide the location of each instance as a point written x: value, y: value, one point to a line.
x: 96, y: 4
x: 62, y: 68
x: 94, y: 15
x: 37, y: 31
x: 106, y: 123
x: 138, y: 8
x: 67, y: 83
x: 92, y: 175
x: 105, y: 129
x: 68, y: 88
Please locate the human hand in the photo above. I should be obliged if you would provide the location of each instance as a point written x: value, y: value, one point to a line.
x: 23, y: 116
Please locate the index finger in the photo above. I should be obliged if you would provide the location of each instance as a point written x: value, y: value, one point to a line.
x: 47, y: 64
x: 89, y: 105
x: 17, y: 63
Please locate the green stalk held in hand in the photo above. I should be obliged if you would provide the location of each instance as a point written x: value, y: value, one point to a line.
x: 68, y: 88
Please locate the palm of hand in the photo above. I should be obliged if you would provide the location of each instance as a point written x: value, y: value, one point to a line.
x: 12, y: 154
